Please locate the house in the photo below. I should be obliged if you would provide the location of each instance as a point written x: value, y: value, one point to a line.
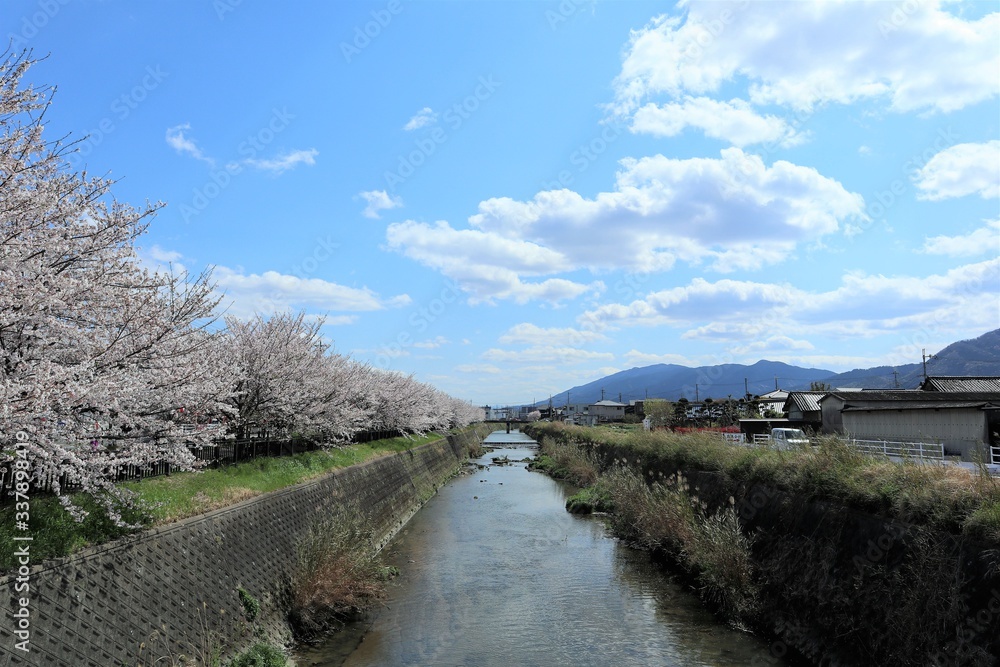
x: 966, y: 422
x: 581, y: 419
x: 960, y: 383
x: 773, y: 401
x: 608, y: 410
x: 497, y: 414
x: 803, y: 410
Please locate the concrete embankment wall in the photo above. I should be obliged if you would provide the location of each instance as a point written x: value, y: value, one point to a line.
x: 843, y: 586
x: 173, y: 590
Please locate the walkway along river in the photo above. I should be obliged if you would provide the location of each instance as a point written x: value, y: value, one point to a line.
x: 494, y: 571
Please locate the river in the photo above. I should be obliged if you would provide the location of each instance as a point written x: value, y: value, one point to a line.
x: 494, y: 571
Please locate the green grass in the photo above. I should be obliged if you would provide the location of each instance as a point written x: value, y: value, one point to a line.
x: 594, y: 498
x: 260, y: 655
x: 162, y: 500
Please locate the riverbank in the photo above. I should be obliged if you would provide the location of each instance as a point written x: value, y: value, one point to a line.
x: 844, y: 559
x: 163, y: 500
x: 494, y: 572
x: 217, y: 581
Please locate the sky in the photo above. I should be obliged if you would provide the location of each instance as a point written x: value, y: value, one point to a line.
x: 508, y: 199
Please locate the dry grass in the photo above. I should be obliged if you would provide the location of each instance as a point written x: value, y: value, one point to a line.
x: 666, y: 516
x: 336, y: 576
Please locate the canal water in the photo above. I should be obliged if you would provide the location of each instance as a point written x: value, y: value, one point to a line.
x: 494, y: 571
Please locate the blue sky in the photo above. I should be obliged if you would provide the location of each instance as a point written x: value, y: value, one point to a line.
x: 511, y: 198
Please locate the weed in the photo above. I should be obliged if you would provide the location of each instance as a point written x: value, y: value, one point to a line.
x: 251, y: 606
x: 336, y: 576
x: 261, y: 654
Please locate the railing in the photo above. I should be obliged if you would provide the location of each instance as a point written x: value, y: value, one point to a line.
x: 914, y: 450
x: 995, y: 455
x: 761, y: 439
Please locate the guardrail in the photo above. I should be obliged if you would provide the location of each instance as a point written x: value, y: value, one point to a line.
x: 890, y: 448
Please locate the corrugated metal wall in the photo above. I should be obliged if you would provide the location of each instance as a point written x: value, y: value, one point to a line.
x: 959, y: 429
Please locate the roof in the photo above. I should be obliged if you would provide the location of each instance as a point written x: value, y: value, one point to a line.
x: 913, y: 395
x: 922, y: 405
x: 610, y: 404
x: 961, y: 383
x: 775, y: 395
x: 804, y: 401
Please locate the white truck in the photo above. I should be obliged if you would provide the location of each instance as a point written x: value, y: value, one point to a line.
x: 788, y: 438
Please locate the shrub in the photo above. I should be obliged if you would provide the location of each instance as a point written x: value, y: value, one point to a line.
x: 260, y: 655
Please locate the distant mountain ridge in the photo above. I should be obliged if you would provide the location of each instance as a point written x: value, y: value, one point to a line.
x: 978, y: 356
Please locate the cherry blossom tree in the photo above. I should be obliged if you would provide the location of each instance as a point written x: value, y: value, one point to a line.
x: 108, y: 364
x: 103, y: 360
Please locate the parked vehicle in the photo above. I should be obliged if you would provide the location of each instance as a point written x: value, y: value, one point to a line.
x: 788, y: 438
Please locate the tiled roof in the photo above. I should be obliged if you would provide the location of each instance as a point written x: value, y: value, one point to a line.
x: 913, y: 395
x: 920, y: 405
x: 961, y: 383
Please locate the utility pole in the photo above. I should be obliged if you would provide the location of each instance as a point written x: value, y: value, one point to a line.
x: 619, y: 397
x: 776, y: 384
x: 602, y: 393
x: 927, y: 357
x: 695, y: 392
x: 895, y: 377
x: 746, y: 388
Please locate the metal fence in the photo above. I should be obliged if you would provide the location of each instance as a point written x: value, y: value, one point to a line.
x: 995, y: 455
x: 902, y: 450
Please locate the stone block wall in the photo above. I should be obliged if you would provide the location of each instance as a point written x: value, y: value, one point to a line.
x: 173, y: 590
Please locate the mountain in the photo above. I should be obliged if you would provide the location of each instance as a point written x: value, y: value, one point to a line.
x: 672, y: 382
x: 979, y: 356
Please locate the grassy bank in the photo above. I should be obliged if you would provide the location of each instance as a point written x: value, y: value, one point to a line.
x: 837, y: 557
x: 163, y: 500
x: 940, y: 497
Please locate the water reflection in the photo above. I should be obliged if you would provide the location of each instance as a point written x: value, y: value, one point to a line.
x: 496, y: 572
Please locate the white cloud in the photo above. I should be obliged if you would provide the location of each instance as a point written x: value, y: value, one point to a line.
x: 177, y: 140
x: 478, y: 369
x: 734, y: 121
x: 863, y: 305
x: 700, y: 300
x: 801, y: 54
x: 546, y: 353
x: 637, y: 358
x: 985, y: 240
x: 422, y: 118
x: 664, y: 209
x: 284, y: 162
x: 271, y: 292
x: 485, y: 265
x: 159, y: 260
x: 734, y: 211
x: 777, y: 343
x: 379, y: 200
x: 961, y: 170
x: 532, y: 334
x: 432, y: 343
